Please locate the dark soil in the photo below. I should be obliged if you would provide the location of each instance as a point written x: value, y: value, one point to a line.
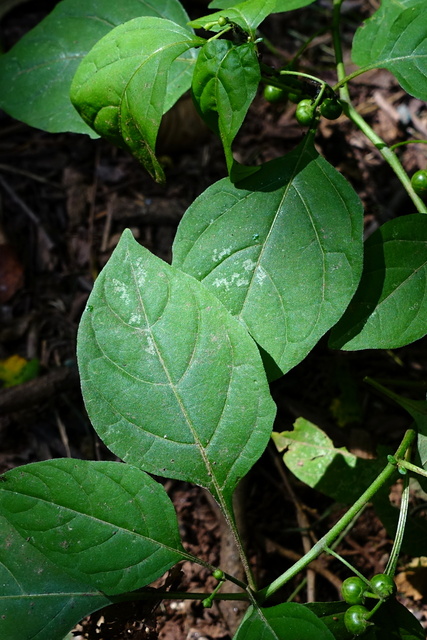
x: 65, y: 201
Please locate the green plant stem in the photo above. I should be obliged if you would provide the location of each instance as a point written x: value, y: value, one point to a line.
x: 405, y: 464
x: 336, y: 530
x: 389, y: 156
x: 347, y: 564
x: 175, y: 595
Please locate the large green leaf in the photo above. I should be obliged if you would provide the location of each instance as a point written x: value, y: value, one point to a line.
x: 36, y: 73
x: 120, y: 87
x: 395, y: 38
x: 37, y: 599
x: 283, y: 252
x: 280, y: 5
x: 389, y: 309
x: 105, y: 523
x: 172, y: 382
x: 312, y: 457
x: 225, y: 82
x: 287, y: 620
x: 248, y: 15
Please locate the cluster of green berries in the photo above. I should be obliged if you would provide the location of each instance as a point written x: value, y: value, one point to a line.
x: 355, y: 590
x: 330, y: 108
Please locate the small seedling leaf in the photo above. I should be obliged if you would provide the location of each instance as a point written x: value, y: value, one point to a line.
x: 225, y: 82
x: 287, y: 620
x: 107, y: 524
x: 389, y: 309
x: 172, y: 382
x: 283, y: 254
x: 395, y: 38
x: 119, y: 89
x: 247, y: 15
x: 36, y: 73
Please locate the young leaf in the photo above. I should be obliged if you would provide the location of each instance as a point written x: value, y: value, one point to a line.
x: 389, y: 309
x: 287, y: 620
x: 312, y: 457
x: 120, y: 87
x: 105, y: 523
x: 37, y: 599
x: 39, y: 69
x: 395, y: 38
x: 283, y: 252
x: 248, y: 15
x: 225, y: 82
x: 172, y: 382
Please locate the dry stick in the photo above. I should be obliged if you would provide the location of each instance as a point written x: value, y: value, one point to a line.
x: 304, y: 524
x: 43, y: 236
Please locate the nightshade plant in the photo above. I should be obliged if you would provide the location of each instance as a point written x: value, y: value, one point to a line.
x: 175, y: 359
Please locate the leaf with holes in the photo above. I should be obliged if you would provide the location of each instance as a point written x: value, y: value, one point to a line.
x: 39, y: 69
x: 172, y: 382
x: 389, y: 309
x: 283, y: 252
x: 105, y: 523
x: 120, y: 87
x: 395, y: 38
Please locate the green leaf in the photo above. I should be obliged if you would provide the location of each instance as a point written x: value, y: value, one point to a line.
x: 280, y: 5
x: 389, y: 309
x: 248, y: 15
x: 312, y: 457
x: 283, y: 252
x: 287, y: 620
x: 395, y: 38
x: 39, y: 69
x: 225, y: 82
x: 105, y: 523
x: 120, y: 87
x: 37, y: 599
x: 392, y: 621
x: 172, y: 383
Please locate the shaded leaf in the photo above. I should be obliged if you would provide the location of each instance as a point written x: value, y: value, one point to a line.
x: 389, y: 309
x: 39, y: 69
x: 225, y: 82
x: 37, y: 599
x: 392, y: 621
x: 120, y: 87
x: 172, y: 382
x: 312, y: 457
x: 287, y: 620
x: 105, y: 523
x: 280, y: 5
x: 395, y: 38
x: 283, y: 252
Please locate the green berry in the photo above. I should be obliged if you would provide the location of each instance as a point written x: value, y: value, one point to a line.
x: 419, y: 183
x: 331, y: 109
x: 355, y: 620
x: 383, y: 586
x: 274, y: 94
x: 353, y: 590
x: 222, y: 21
x: 305, y: 112
x: 218, y: 574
